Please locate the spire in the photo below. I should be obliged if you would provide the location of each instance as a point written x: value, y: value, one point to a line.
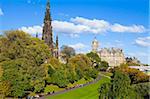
x: 47, y: 14
x: 57, y: 47
x: 47, y: 35
x: 48, y: 4
x: 57, y: 41
x: 37, y: 35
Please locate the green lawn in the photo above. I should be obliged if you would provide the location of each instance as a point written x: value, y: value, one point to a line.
x: 87, y: 92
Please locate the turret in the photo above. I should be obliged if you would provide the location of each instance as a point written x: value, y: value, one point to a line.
x: 95, y: 45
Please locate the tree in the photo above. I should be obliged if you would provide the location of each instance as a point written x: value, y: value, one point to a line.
x: 21, y: 57
x: 1, y: 72
x: 96, y: 61
x: 103, y: 66
x: 59, y: 78
x: 142, y: 89
x: 4, y: 88
x: 57, y: 73
x: 91, y: 73
x: 104, y: 91
x: 55, y: 63
x: 132, y: 61
x: 16, y: 72
x: 50, y: 88
x: 135, y: 75
x: 121, y: 88
x: 94, y: 57
x: 67, y: 52
x: 81, y: 67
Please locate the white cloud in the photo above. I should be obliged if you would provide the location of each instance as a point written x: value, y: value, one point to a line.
x: 84, y: 25
x: 95, y: 26
x: 68, y: 27
x: 99, y: 26
x: 1, y: 12
x: 32, y: 29
x: 143, y: 41
x: 79, y: 25
x: 133, y: 29
x: 78, y: 46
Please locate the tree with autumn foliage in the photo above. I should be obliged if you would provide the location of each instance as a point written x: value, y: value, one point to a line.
x: 135, y: 75
x: 21, y: 59
x: 81, y: 67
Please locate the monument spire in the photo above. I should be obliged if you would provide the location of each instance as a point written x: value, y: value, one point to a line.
x: 57, y: 47
x: 47, y: 35
x: 37, y: 35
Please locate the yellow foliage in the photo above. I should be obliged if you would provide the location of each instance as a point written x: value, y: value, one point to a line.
x: 136, y: 75
x: 4, y: 88
x: 1, y: 71
x: 55, y: 63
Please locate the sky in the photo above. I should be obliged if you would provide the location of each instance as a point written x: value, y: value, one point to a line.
x: 114, y: 23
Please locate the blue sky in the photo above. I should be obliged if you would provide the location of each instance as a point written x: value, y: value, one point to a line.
x: 115, y: 23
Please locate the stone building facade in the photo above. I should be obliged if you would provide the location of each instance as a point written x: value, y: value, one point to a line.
x: 114, y: 56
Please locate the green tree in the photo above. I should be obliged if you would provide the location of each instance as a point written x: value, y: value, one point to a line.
x: 142, y: 89
x: 50, y: 88
x: 57, y: 73
x: 21, y: 57
x: 104, y: 66
x: 94, y: 57
x: 55, y: 63
x: 59, y: 78
x: 15, y: 72
x: 121, y: 88
x: 96, y: 61
x: 104, y: 91
x: 81, y: 66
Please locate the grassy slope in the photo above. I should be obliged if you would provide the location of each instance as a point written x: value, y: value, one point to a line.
x: 87, y: 92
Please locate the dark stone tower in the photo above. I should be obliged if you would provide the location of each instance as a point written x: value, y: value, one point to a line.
x: 47, y: 35
x: 37, y: 35
x: 57, y: 48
